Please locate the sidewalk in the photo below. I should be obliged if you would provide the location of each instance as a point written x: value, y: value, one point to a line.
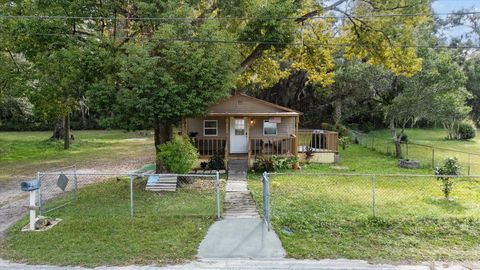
x: 242, y: 233
x: 267, y: 264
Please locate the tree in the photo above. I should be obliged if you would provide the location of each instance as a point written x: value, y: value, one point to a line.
x: 163, y: 81
x: 436, y: 93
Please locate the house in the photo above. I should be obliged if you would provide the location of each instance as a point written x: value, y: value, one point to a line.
x: 242, y: 127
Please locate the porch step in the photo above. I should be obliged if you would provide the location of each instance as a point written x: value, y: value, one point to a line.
x: 239, y: 204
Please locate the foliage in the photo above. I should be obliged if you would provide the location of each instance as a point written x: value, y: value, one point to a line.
x: 403, y: 138
x: 466, y: 130
x: 217, y: 162
x: 283, y: 163
x: 449, y: 168
x: 344, y: 142
x: 263, y: 164
x: 309, y: 153
x: 178, y: 155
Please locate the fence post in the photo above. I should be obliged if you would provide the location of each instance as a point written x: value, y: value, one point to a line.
x: 433, y: 158
x: 217, y: 186
x: 374, y: 195
x: 468, y: 164
x: 75, y: 181
x: 131, y: 195
x: 40, y: 207
x: 266, y: 200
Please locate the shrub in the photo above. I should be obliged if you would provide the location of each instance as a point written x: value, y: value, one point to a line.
x: 309, y: 152
x: 178, y: 155
x: 450, y: 167
x: 466, y: 131
x: 344, y: 142
x: 274, y: 163
x: 263, y: 164
x: 403, y: 138
x: 216, y: 162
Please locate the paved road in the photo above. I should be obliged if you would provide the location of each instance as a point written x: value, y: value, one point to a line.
x: 277, y: 264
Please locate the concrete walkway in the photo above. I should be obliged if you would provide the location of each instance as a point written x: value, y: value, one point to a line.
x: 242, y: 233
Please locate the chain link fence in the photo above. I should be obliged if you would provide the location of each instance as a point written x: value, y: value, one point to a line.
x: 66, y: 190
x: 428, y: 156
x: 297, y: 197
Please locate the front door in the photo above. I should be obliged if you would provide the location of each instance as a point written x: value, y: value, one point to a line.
x: 238, y: 136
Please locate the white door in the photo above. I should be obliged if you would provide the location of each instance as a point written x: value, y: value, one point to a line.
x: 238, y: 136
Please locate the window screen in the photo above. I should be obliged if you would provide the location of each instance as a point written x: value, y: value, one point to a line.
x: 269, y: 128
x: 210, y: 127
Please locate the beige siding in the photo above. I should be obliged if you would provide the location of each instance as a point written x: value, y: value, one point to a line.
x: 196, y: 125
x: 242, y: 104
x: 285, y: 128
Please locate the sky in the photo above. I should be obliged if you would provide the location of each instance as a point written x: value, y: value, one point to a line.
x: 448, y: 6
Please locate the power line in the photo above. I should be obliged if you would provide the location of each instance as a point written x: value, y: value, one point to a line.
x: 48, y: 17
x: 251, y: 42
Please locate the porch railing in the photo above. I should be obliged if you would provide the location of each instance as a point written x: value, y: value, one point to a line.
x: 272, y: 145
x: 317, y: 140
x: 208, y: 146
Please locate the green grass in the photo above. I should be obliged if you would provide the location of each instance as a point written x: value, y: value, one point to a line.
x: 98, y: 230
x: 319, y: 217
x: 437, y: 139
x: 23, y: 153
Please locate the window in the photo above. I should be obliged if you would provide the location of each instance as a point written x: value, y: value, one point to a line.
x: 269, y: 128
x: 210, y: 127
x: 239, y: 126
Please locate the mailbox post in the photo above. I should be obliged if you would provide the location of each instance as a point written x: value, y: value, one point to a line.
x: 32, y: 187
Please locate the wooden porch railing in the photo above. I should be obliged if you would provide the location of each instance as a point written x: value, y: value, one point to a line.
x: 272, y: 145
x: 208, y: 146
x: 318, y: 140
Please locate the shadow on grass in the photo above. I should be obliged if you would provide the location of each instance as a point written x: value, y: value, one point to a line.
x: 447, y: 205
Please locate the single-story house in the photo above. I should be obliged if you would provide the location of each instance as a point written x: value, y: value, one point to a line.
x: 242, y: 126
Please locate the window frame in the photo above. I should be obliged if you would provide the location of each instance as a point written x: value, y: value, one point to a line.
x: 263, y: 128
x: 210, y: 128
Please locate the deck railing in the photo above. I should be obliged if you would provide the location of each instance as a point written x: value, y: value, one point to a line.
x: 208, y: 146
x: 272, y: 145
x: 317, y: 140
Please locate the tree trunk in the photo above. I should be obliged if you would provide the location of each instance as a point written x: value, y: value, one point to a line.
x: 162, y: 133
x: 58, y: 130
x: 83, y: 115
x: 66, y: 138
x: 396, y: 139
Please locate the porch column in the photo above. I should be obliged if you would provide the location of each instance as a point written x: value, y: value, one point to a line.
x: 247, y: 123
x: 227, y: 139
x: 184, y: 127
x: 295, y: 141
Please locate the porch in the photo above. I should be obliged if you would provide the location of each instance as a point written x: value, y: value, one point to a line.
x: 305, y: 140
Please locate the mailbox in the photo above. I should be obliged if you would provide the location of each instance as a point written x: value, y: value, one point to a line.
x: 30, y: 185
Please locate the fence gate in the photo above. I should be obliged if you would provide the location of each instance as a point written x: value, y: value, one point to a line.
x: 266, y: 200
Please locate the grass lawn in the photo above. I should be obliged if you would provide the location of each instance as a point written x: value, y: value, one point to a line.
x: 97, y: 228
x: 320, y: 217
x: 437, y: 139
x: 23, y: 153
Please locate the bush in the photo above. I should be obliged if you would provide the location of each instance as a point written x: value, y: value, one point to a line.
x: 466, y: 131
x: 344, y: 142
x: 263, y: 164
x: 450, y: 167
x: 216, y: 162
x: 178, y: 155
x: 274, y: 163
